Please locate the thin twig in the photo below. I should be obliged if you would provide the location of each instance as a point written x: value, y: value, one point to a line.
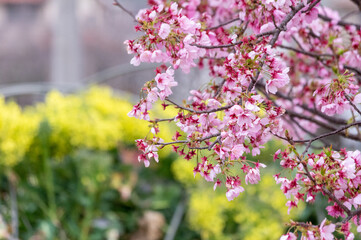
x: 219, y: 89
x: 311, y: 54
x: 339, y: 203
x: 186, y: 141
x: 305, y: 107
x: 200, y: 112
x: 355, y: 12
x: 356, y: 70
x: 352, y: 104
x: 281, y: 27
x: 223, y: 24
x: 313, y: 120
x: 297, y: 42
x: 340, y: 23
x: 322, y: 135
x: 171, y: 143
x: 352, y: 214
x: 268, y: 33
x: 117, y: 3
x: 311, y: 6
x: 308, y: 132
x: 162, y: 120
x: 214, y: 143
x: 218, y: 46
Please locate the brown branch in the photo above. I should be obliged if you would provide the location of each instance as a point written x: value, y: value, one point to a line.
x: 162, y: 120
x: 278, y: 30
x: 219, y: 89
x: 324, y: 189
x: 188, y: 141
x: 305, y: 107
x: 325, y: 143
x: 268, y: 33
x: 340, y: 23
x: 339, y: 203
x: 218, y: 140
x: 356, y: 70
x: 179, y: 106
x: 352, y: 104
x: 198, y: 148
x: 336, y: 132
x: 210, y: 146
x: 351, y: 215
x: 311, y: 54
x: 313, y: 120
x: 304, y: 225
x: 200, y: 112
x: 285, y: 21
x: 311, y: 6
x: 297, y: 42
x: 117, y: 3
x: 218, y: 46
x: 349, y: 14
x: 223, y: 24
x: 322, y: 135
x: 171, y: 143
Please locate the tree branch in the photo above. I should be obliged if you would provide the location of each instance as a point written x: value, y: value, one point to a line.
x: 311, y: 54
x: 305, y: 107
x: 323, y: 135
x: 117, y: 3
x: 186, y: 141
x: 223, y: 24
x: 340, y: 23
x: 278, y: 30
x: 200, y: 112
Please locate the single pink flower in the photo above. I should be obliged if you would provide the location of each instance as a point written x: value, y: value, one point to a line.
x: 234, y: 192
x: 326, y: 231
x: 164, y: 31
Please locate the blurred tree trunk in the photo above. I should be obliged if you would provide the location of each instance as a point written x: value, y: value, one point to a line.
x: 66, y: 60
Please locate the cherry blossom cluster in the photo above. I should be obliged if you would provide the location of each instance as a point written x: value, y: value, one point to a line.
x: 289, y: 69
x: 335, y: 174
x: 158, y: 88
x: 150, y: 151
x: 207, y: 170
x: 326, y: 55
x: 170, y: 36
x: 324, y: 232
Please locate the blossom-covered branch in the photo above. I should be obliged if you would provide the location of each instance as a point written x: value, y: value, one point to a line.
x: 289, y: 69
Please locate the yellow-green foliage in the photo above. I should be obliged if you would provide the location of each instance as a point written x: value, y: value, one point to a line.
x: 183, y: 170
x: 17, y: 129
x: 206, y: 213
x: 93, y: 119
x: 259, y: 213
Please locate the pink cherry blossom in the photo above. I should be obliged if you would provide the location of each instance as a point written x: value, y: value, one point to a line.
x: 234, y: 192
x: 253, y: 176
x: 282, y: 69
x: 326, y: 231
x: 288, y: 236
x: 164, y: 30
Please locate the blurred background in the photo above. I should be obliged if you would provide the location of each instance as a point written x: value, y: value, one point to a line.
x: 67, y: 45
x: 68, y: 164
